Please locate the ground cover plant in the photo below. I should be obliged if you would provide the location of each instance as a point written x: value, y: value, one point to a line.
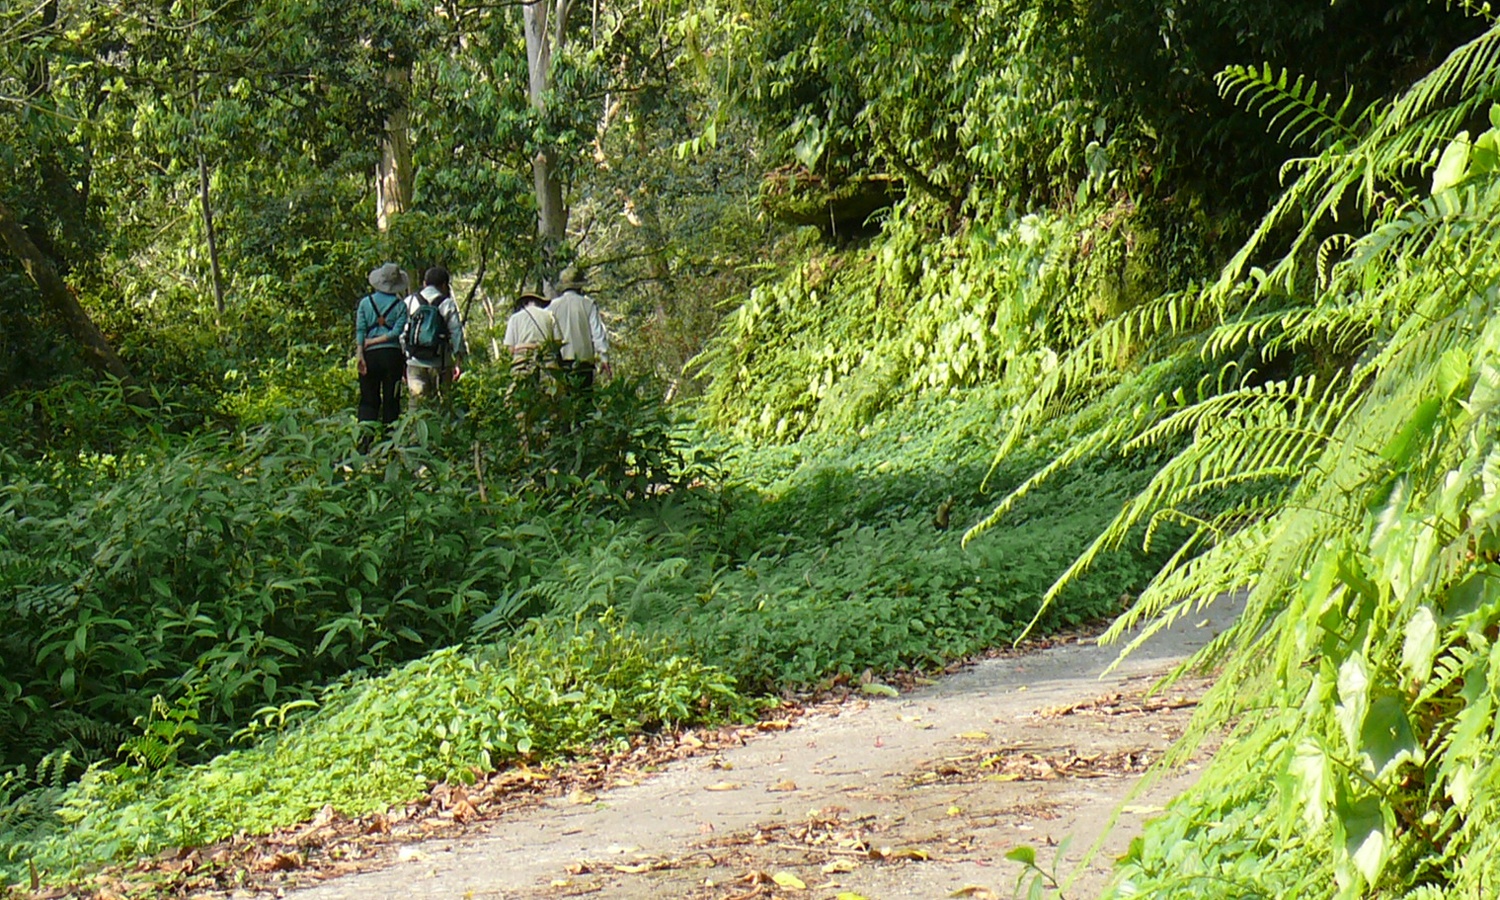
x: 379, y: 742
x: 820, y: 573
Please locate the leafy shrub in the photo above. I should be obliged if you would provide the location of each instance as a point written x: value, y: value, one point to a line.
x: 253, y: 571
x: 557, y: 688
x: 615, y: 444
x: 1359, y: 684
x: 842, y: 338
x: 834, y: 565
x: 73, y: 418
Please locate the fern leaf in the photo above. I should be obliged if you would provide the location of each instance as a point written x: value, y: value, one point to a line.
x: 1297, y: 112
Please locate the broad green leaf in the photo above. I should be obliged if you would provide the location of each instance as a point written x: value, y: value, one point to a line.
x: 1461, y: 784
x: 1024, y: 855
x: 1470, y: 594
x: 878, y: 689
x: 1485, y: 157
x: 1313, y: 775
x: 1453, y: 165
x: 1414, y: 434
x: 1420, y: 646
x: 1386, y: 737
x: 1362, y: 824
x: 1452, y: 371
x: 1353, y: 687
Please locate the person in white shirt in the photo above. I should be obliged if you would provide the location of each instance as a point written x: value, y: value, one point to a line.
x: 528, y: 332
x: 429, y: 374
x: 585, y: 343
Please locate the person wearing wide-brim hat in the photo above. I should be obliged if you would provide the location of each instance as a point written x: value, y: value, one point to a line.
x: 585, y: 343
x: 379, y: 319
x: 529, y: 331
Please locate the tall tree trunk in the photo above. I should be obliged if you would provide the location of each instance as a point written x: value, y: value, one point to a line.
x: 542, y: 43
x: 394, y: 180
x: 57, y: 295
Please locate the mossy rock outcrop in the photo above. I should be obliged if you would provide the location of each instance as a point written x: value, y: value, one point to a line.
x: 839, y: 207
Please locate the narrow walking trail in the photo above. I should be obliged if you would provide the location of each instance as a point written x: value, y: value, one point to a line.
x: 916, y: 796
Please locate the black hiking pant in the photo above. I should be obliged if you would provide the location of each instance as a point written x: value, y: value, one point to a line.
x: 384, y: 369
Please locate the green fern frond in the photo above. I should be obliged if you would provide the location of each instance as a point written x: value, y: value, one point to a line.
x: 1092, y: 364
x: 1296, y: 108
x: 1337, y: 244
x: 1088, y: 446
x: 1254, y: 330
x: 1466, y: 78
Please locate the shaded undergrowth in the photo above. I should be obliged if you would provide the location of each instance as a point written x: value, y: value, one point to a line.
x: 749, y: 571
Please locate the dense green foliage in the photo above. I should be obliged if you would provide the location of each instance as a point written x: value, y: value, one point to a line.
x: 1351, y: 396
x: 250, y: 570
x: 831, y: 567
x: 380, y: 742
x: 1034, y: 296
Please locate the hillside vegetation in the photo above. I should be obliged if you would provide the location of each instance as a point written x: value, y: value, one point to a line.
x: 934, y: 324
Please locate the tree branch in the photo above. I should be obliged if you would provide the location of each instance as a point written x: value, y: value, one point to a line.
x: 58, y: 295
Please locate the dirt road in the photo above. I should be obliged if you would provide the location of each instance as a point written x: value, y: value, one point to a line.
x: 917, y: 796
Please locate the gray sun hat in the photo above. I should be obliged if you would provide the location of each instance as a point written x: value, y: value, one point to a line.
x: 389, y: 279
x: 571, y: 279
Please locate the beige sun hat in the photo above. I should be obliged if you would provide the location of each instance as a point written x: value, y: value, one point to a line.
x: 389, y: 279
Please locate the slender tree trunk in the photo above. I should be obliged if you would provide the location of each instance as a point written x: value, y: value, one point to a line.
x: 659, y: 263
x: 213, y: 241
x: 394, y: 180
x: 208, y: 212
x: 484, y: 263
x: 57, y: 294
x: 541, y: 44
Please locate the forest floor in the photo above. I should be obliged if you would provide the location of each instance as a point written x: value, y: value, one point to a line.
x: 918, y: 795
x: 915, y: 796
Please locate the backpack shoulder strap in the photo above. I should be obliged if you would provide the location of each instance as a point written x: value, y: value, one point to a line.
x: 527, y: 311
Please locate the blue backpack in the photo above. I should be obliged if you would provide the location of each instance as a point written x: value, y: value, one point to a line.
x: 426, y: 336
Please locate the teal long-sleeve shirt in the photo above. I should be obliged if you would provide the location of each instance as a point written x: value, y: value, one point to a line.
x: 368, y: 332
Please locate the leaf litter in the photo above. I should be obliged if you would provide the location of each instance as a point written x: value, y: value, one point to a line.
x: 813, y: 853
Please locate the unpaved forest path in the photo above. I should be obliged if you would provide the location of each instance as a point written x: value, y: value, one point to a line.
x: 918, y: 796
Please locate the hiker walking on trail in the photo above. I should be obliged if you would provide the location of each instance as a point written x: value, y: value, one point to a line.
x: 532, y: 337
x: 585, y: 343
x: 433, y: 338
x: 379, y: 320
x: 528, y: 332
